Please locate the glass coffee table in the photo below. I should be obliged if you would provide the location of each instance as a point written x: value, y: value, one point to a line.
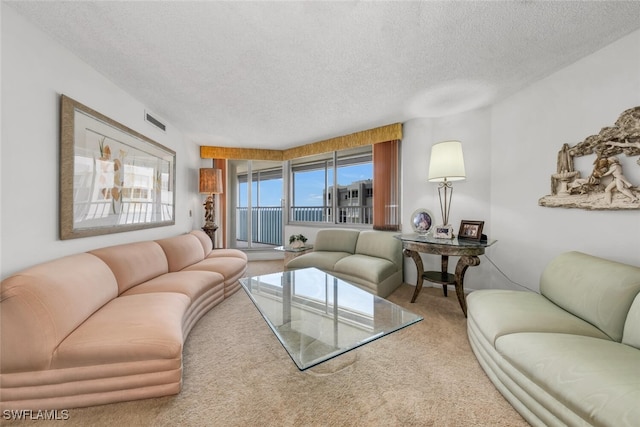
x: 317, y: 316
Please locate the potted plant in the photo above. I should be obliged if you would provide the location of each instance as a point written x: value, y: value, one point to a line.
x: 297, y: 241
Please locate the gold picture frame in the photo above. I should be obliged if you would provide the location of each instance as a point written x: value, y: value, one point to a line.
x: 112, y: 179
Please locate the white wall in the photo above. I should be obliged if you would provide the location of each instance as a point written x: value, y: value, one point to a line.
x: 528, y: 129
x: 35, y: 71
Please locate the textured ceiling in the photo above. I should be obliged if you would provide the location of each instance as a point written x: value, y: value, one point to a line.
x: 280, y: 74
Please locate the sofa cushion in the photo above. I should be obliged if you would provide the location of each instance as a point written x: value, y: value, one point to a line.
x: 597, y: 290
x: 134, y: 263
x: 369, y: 268
x: 324, y: 260
x: 231, y: 268
x: 336, y: 240
x: 40, y: 306
x: 232, y: 253
x: 380, y: 244
x: 209, y: 252
x: 205, y: 240
x: 182, y: 251
x: 193, y: 284
x: 597, y: 379
x: 382, y: 289
x: 632, y: 325
x: 128, y: 328
x: 503, y: 312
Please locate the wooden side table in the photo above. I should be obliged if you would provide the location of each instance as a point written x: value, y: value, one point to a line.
x: 467, y: 250
x: 442, y: 277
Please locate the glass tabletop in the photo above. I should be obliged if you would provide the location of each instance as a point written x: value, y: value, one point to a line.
x: 292, y: 249
x: 428, y: 238
x: 317, y: 316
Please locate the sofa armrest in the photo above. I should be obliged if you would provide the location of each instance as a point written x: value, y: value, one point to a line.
x: 597, y: 290
x: 381, y: 244
x: 336, y: 240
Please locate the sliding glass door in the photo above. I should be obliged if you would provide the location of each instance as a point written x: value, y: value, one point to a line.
x: 256, y: 220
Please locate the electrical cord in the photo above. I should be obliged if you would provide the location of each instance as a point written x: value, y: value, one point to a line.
x: 507, y: 277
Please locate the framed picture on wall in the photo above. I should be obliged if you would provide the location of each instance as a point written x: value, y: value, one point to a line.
x: 112, y: 179
x: 470, y: 230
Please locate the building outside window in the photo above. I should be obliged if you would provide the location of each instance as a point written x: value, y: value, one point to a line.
x: 345, y: 177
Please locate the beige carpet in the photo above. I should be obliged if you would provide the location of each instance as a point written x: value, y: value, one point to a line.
x: 236, y: 373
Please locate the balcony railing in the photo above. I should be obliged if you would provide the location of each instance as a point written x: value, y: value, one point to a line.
x: 266, y: 222
x: 266, y: 225
x: 346, y: 214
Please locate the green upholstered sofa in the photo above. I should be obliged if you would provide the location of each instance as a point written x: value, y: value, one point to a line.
x: 369, y: 259
x: 571, y: 354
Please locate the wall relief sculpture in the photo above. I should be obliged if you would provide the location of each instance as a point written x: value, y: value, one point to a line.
x: 605, y: 186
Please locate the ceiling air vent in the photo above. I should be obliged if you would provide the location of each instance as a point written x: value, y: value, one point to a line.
x: 154, y: 121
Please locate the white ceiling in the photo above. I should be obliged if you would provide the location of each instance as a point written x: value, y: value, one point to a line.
x: 279, y: 74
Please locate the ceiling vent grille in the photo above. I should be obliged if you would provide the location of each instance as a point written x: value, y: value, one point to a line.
x: 154, y: 121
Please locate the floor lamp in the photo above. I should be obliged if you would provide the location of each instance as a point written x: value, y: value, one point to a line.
x: 211, y: 184
x: 446, y: 165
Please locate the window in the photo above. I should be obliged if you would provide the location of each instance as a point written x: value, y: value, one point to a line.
x: 345, y: 177
x: 266, y: 187
x: 256, y: 194
x: 309, y: 182
x: 310, y: 177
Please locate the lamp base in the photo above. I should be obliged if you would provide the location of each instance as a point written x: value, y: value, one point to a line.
x: 443, y: 232
x: 211, y: 231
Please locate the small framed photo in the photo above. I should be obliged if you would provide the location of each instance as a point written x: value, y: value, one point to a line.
x: 421, y: 221
x: 443, y: 232
x: 470, y: 230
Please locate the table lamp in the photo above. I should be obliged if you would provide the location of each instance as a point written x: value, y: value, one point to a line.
x: 446, y: 165
x: 210, y: 183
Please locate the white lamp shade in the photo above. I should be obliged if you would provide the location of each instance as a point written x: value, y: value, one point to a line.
x: 447, y: 162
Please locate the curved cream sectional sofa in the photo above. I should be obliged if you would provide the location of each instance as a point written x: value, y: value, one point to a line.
x: 370, y: 259
x: 569, y: 356
x: 108, y: 325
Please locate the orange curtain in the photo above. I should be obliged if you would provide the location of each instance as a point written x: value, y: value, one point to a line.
x: 386, y: 181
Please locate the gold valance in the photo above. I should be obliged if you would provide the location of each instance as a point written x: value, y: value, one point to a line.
x: 209, y: 152
x: 367, y: 137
